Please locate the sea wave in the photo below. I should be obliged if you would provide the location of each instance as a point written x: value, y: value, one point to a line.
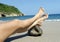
x: 53, y: 20
x: 1, y: 21
x: 48, y: 20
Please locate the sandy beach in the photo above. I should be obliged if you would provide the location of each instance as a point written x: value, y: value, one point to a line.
x: 51, y: 33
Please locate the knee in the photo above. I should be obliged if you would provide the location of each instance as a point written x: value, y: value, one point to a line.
x: 17, y: 20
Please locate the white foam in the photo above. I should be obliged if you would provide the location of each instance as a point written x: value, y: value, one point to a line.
x: 53, y: 20
x: 1, y: 21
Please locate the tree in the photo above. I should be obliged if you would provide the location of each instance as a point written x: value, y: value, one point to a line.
x: 7, y: 9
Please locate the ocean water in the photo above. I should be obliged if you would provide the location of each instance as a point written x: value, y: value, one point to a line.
x: 52, y: 17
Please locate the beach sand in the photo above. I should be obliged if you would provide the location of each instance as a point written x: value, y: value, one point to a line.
x: 51, y: 33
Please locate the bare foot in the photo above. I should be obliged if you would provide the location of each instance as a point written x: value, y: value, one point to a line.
x: 40, y: 20
x: 31, y: 20
x: 40, y: 12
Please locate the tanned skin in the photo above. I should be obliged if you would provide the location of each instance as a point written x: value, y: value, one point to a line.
x: 8, y: 28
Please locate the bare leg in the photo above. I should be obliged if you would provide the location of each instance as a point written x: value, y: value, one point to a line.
x: 37, y: 16
x: 8, y: 28
x: 39, y: 22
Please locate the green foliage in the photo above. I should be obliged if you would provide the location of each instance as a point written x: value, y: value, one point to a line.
x: 9, y: 9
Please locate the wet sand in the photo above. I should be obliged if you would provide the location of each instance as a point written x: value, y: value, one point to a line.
x: 51, y: 33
